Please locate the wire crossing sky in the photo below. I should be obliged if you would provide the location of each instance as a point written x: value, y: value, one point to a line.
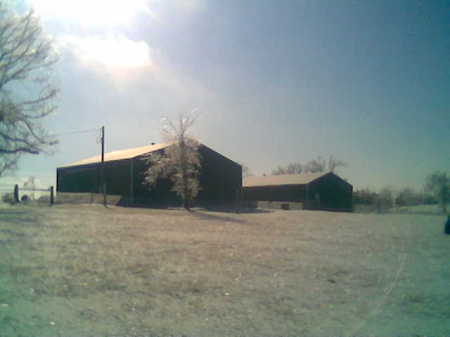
x: 274, y: 82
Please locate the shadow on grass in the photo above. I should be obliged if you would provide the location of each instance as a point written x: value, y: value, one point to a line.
x: 19, y: 216
x: 203, y: 215
x: 6, y: 213
x: 11, y: 232
x: 237, y: 211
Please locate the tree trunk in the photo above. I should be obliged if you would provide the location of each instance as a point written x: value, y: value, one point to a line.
x: 186, y: 204
x: 186, y: 196
x: 447, y: 226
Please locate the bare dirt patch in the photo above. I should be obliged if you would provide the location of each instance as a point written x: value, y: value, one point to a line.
x: 91, y: 271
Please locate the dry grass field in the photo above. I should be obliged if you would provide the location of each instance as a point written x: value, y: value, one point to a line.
x: 89, y: 271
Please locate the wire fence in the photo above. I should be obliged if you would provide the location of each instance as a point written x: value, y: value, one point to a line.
x: 6, y: 188
x: 16, y: 194
x: 36, y: 185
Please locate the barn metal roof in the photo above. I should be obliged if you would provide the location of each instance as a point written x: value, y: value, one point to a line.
x: 283, y: 179
x: 121, y: 154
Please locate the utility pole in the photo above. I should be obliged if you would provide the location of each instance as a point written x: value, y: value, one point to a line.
x: 103, y: 166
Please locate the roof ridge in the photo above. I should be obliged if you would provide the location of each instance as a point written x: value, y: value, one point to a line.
x: 283, y: 179
x: 120, y: 154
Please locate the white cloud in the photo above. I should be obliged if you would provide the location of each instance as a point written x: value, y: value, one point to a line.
x: 114, y: 52
x: 92, y: 12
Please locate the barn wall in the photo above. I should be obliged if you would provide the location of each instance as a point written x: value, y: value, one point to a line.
x: 117, y: 177
x: 275, y: 193
x: 330, y: 192
x: 87, y: 178
x: 220, y: 178
x: 77, y: 179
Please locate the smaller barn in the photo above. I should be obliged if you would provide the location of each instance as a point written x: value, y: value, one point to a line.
x: 325, y: 191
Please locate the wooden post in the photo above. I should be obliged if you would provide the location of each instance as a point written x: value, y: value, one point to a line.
x: 131, y: 198
x: 16, y: 193
x: 447, y: 225
x: 103, y: 166
x: 238, y: 201
x: 306, y: 200
x: 52, y: 195
x: 104, y: 194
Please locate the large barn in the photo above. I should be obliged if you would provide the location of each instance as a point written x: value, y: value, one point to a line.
x: 220, y: 178
x: 325, y: 191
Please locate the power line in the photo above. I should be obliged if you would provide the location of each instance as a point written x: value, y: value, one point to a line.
x: 75, y: 132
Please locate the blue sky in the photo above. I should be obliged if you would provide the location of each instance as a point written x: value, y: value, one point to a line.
x: 273, y: 81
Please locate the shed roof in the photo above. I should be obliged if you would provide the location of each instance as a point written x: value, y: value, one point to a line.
x: 121, y: 154
x: 283, y: 179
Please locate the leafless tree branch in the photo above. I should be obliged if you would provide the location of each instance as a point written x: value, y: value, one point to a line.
x: 26, y: 58
x: 180, y: 161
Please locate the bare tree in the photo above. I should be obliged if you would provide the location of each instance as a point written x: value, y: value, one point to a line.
x: 364, y: 196
x: 335, y: 163
x: 246, y: 171
x: 386, y: 197
x: 316, y: 165
x: 408, y: 197
x: 439, y: 184
x: 180, y: 161
x: 292, y: 168
x: 313, y: 166
x: 321, y: 165
x: 26, y: 92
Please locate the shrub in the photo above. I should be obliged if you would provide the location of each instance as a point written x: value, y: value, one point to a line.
x: 364, y: 197
x: 8, y: 198
x: 408, y: 197
x: 44, y: 199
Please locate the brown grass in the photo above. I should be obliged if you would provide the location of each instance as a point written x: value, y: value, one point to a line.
x: 91, y: 271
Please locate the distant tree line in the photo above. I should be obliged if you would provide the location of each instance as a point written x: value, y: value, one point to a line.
x: 387, y: 197
x: 436, y: 191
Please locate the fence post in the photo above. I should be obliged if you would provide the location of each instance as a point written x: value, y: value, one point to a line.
x: 104, y: 194
x: 238, y: 200
x: 16, y: 193
x: 52, y: 195
x: 447, y: 225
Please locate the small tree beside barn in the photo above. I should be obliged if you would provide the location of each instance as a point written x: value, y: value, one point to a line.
x: 179, y: 162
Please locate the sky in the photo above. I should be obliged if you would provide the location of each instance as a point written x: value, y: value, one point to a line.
x: 272, y: 82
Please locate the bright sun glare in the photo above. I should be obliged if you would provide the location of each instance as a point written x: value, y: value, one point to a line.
x: 111, y: 50
x: 92, y: 12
